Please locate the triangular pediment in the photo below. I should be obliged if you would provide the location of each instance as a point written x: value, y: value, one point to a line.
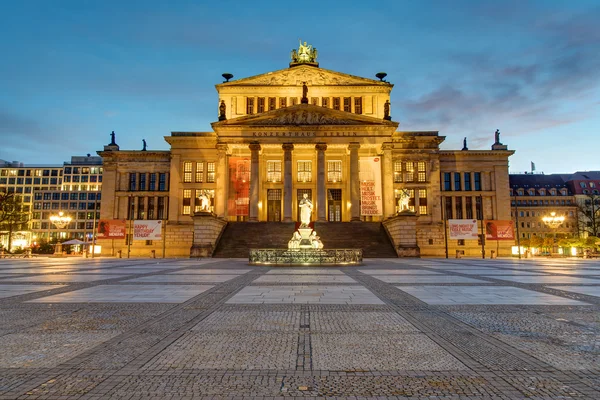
x: 313, y: 76
x: 305, y: 115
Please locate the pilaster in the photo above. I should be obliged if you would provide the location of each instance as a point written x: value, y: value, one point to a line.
x: 321, y: 199
x: 254, y: 181
x: 287, y: 181
x: 354, y: 182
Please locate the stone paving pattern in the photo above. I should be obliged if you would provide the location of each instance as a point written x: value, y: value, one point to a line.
x: 393, y: 328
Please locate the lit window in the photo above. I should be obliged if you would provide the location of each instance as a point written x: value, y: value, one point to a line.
x: 210, y: 172
x: 199, y: 172
x: 187, y: 171
x: 187, y: 200
x: 421, y: 171
x: 409, y: 175
x: 304, y: 171
x: 274, y: 171
x: 334, y: 171
x: 397, y: 171
x: 423, y: 201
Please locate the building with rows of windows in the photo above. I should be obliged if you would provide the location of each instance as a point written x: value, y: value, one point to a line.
x: 45, y: 190
x: 305, y: 130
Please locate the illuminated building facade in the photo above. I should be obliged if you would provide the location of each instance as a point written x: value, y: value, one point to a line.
x: 307, y: 130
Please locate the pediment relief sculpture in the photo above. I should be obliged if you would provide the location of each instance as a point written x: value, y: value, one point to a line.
x: 304, y: 117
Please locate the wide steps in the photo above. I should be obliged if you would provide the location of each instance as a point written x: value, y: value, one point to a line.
x: 238, y: 237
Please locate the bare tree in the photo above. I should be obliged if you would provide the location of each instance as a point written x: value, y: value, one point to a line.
x: 13, y: 215
x: 588, y: 209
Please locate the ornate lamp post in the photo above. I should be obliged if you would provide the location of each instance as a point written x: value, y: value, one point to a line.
x: 60, y: 221
x: 553, y: 221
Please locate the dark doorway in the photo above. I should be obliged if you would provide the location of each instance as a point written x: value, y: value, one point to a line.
x: 274, y: 205
x: 334, y: 205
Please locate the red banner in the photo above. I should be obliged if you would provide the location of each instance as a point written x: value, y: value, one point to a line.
x: 111, y: 229
x: 238, y: 199
x: 499, y: 230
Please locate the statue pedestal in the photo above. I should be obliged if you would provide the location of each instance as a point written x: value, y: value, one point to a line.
x: 305, y: 243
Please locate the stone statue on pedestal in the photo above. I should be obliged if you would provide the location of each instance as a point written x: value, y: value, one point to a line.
x: 143, y: 144
x: 204, y: 203
x: 222, y: 108
x: 403, y: 201
x: 294, y: 242
x: 306, y: 207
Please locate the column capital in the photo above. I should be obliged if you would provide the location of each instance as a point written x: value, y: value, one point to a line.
x: 222, y: 147
x: 353, y: 146
x: 387, y: 146
x: 254, y: 146
x: 287, y: 146
x: 321, y: 146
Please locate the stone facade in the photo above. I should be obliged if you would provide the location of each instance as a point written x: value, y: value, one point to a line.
x: 308, y: 130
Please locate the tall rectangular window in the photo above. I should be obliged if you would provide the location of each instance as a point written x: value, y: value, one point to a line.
x: 409, y: 175
x: 132, y: 178
x: 347, y: 104
x: 199, y: 172
x: 458, y: 207
x: 477, y: 180
x: 467, y: 176
x: 250, y: 105
x: 210, y: 172
x: 336, y: 103
x: 447, y: 182
x: 282, y: 102
x: 325, y: 102
x: 397, y: 171
x: 272, y: 103
x: 334, y: 171
x: 469, y: 207
x: 187, y: 172
x: 260, y: 105
x: 142, y: 181
x: 141, y: 211
x: 304, y: 171
x: 448, y: 207
x: 152, y: 184
x: 314, y: 101
x: 478, y: 208
x: 187, y: 201
x: 293, y: 101
x: 161, y: 208
x: 151, y: 205
x: 274, y: 171
x: 162, y: 182
x: 130, y: 207
x: 423, y: 201
x: 457, y: 181
x: 358, y: 105
x: 421, y: 171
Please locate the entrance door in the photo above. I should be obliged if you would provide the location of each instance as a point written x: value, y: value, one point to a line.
x: 334, y: 205
x: 300, y: 193
x: 274, y: 205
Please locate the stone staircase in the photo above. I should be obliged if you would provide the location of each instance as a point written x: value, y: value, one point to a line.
x: 238, y: 237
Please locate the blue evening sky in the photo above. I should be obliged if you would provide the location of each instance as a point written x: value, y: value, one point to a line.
x: 73, y: 71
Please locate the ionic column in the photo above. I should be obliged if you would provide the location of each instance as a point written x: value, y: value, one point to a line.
x: 221, y: 181
x: 321, y: 199
x: 354, y: 182
x: 389, y: 204
x: 287, y: 181
x: 254, y: 181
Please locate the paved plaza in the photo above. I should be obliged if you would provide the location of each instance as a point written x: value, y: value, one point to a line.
x: 105, y: 328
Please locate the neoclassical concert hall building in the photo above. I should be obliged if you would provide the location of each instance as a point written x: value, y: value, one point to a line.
x: 306, y: 130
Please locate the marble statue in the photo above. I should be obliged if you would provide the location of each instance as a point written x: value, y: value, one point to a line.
x: 204, y: 202
x: 315, y: 241
x: 403, y: 201
x: 306, y: 207
x: 294, y: 242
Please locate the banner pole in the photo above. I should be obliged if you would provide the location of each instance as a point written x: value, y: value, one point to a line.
x: 164, y: 237
x: 482, y: 230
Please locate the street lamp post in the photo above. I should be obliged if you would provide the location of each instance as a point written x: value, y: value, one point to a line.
x: 60, y: 221
x: 553, y: 221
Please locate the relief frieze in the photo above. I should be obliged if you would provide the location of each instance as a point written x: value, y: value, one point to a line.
x: 303, y: 134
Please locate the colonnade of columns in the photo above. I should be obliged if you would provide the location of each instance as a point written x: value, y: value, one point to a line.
x: 321, y: 197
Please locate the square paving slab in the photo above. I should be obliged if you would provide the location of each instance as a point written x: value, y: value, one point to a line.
x: 589, y: 290
x: 484, y: 295
x: 180, y: 278
x: 201, y: 271
x: 397, y: 272
x: 128, y: 294
x: 63, y: 278
x: 304, y: 295
x: 426, y: 279
x: 286, y: 278
x: 16, y: 290
x: 383, y: 352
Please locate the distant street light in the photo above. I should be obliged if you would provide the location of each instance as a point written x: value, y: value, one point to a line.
x: 60, y: 221
x: 553, y: 221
